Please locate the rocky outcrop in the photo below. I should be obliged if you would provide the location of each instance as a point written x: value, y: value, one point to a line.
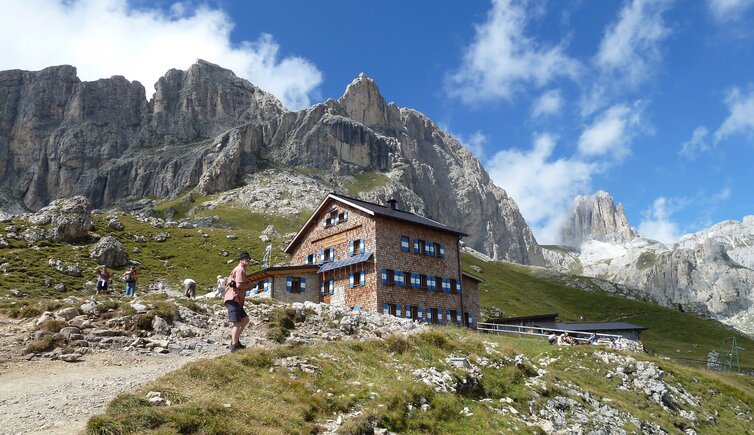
x: 69, y: 220
x: 206, y: 129
x: 596, y: 217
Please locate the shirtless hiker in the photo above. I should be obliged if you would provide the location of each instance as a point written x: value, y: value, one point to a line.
x: 235, y: 292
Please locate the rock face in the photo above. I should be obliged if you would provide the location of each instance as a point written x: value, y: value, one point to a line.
x: 710, y: 273
x: 110, y: 252
x: 596, y: 217
x: 207, y: 128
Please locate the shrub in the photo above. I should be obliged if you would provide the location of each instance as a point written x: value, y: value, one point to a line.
x: 283, y: 318
x: 278, y: 334
x: 44, y: 344
x: 53, y: 325
x: 397, y: 344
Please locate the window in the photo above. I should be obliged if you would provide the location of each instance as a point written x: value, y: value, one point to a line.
x: 357, y: 279
x: 392, y: 310
x: 419, y: 246
x: 311, y: 258
x: 328, y: 256
x: 438, y: 250
x: 453, y: 286
x: 388, y: 277
x: 415, y: 312
x: 342, y: 217
x: 404, y: 243
x: 400, y: 278
x: 356, y: 247
x: 295, y: 284
x: 454, y: 317
x: 434, y: 316
x: 423, y: 282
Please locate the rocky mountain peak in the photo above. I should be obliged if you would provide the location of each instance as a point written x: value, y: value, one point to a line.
x: 596, y: 217
x: 363, y: 102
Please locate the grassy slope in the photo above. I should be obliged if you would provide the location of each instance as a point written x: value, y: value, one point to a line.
x: 246, y: 393
x: 517, y: 292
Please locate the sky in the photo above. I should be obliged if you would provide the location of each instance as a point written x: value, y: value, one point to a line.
x: 649, y: 100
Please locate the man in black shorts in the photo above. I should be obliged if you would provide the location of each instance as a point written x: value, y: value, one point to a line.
x: 235, y: 293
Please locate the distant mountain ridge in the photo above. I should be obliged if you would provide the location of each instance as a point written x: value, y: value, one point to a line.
x: 205, y: 128
x: 710, y: 272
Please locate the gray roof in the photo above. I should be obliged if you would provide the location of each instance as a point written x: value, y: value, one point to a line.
x: 403, y: 215
x: 374, y: 210
x: 356, y: 259
x: 599, y: 326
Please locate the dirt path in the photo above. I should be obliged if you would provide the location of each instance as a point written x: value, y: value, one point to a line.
x: 56, y: 397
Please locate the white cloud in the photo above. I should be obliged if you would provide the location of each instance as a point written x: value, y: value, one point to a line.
x: 741, y: 118
x: 103, y: 38
x: 726, y: 10
x: 549, y: 103
x: 657, y: 223
x: 697, y: 145
x: 542, y: 185
x: 502, y: 59
x: 611, y: 133
x: 630, y: 47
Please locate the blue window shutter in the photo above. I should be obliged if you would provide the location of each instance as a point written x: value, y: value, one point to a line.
x: 384, y: 276
x: 397, y: 310
x: 439, y: 315
x: 408, y: 311
x: 471, y: 319
x: 303, y: 284
x: 351, y: 279
x: 322, y: 257
x: 324, y: 223
x: 404, y: 244
x: 362, y: 247
x: 337, y: 220
x: 416, y: 246
x: 447, y: 315
x: 431, y: 283
x: 332, y: 255
x: 426, y: 248
x: 385, y: 309
x: 399, y: 278
x: 459, y: 318
x: 350, y: 248
x: 332, y: 287
x: 345, y: 216
x: 322, y: 288
x: 363, y: 278
x: 420, y: 314
x: 458, y: 286
x: 442, y: 250
x: 288, y: 283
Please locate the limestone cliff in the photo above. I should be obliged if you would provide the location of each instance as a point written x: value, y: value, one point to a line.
x: 710, y: 272
x: 205, y: 129
x: 596, y: 217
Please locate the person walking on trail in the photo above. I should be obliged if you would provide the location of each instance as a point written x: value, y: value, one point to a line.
x: 103, y: 277
x: 130, y: 278
x: 235, y: 292
x: 189, y: 288
x: 220, y: 286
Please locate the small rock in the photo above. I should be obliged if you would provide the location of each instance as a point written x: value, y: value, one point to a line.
x: 115, y: 224
x: 60, y: 287
x: 161, y: 237
x: 67, y: 313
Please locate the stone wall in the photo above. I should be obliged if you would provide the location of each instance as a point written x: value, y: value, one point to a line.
x: 311, y: 294
x: 358, y: 226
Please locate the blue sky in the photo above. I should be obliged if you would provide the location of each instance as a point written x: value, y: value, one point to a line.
x: 650, y: 100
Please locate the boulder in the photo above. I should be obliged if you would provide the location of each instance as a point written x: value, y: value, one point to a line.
x: 70, y: 219
x: 110, y: 252
x: 160, y: 326
x: 89, y: 307
x: 161, y: 237
x: 60, y: 287
x: 115, y: 224
x: 47, y: 315
x: 67, y: 313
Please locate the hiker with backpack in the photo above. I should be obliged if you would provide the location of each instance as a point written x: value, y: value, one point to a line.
x: 130, y: 278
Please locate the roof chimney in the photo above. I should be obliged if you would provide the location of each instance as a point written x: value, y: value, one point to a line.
x: 391, y: 202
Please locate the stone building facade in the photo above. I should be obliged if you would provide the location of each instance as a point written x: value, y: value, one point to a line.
x: 286, y: 284
x: 378, y: 258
